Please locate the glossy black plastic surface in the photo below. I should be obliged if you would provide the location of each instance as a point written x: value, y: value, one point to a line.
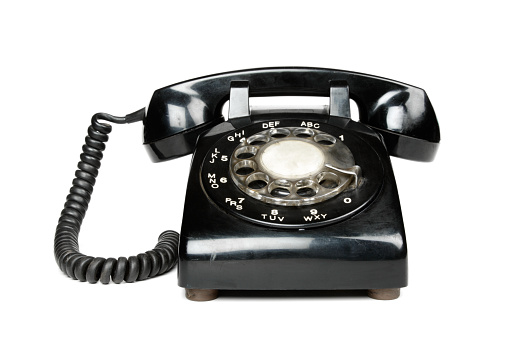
x: 403, y: 110
x: 221, y: 251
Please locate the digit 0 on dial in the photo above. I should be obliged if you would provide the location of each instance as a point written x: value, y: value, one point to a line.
x: 289, y: 167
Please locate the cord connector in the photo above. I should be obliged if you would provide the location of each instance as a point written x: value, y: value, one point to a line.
x: 139, y: 115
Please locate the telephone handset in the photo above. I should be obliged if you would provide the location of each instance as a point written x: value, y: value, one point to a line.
x: 277, y: 198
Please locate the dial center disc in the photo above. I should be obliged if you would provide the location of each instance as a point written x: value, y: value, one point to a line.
x: 291, y: 159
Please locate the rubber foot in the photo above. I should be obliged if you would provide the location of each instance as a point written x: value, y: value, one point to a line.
x: 384, y: 293
x: 201, y: 295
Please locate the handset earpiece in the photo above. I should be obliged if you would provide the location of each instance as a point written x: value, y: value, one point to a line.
x: 176, y: 117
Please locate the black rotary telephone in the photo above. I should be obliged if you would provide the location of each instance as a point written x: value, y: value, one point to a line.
x: 277, y: 198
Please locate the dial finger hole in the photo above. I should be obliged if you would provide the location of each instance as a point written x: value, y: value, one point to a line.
x: 280, y: 188
x: 279, y: 133
x: 306, y: 188
x: 257, y: 184
x: 303, y: 132
x: 257, y: 139
x: 325, y: 139
x: 245, y: 167
x: 328, y: 180
x: 280, y: 192
x: 306, y: 192
x: 245, y: 152
x: 257, y: 181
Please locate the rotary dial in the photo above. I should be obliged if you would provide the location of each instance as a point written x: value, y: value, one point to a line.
x: 290, y: 173
x: 293, y: 166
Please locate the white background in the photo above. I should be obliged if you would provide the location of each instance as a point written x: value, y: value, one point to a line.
x: 62, y: 61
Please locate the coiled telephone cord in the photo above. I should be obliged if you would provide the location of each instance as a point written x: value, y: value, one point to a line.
x: 92, y: 269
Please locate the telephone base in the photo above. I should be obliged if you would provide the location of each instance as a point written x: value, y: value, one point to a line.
x: 195, y: 294
x: 230, y: 240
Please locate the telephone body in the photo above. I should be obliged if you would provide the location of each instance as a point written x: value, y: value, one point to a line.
x: 285, y: 198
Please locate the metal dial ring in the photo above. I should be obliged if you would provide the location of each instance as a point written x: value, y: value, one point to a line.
x: 293, y: 166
